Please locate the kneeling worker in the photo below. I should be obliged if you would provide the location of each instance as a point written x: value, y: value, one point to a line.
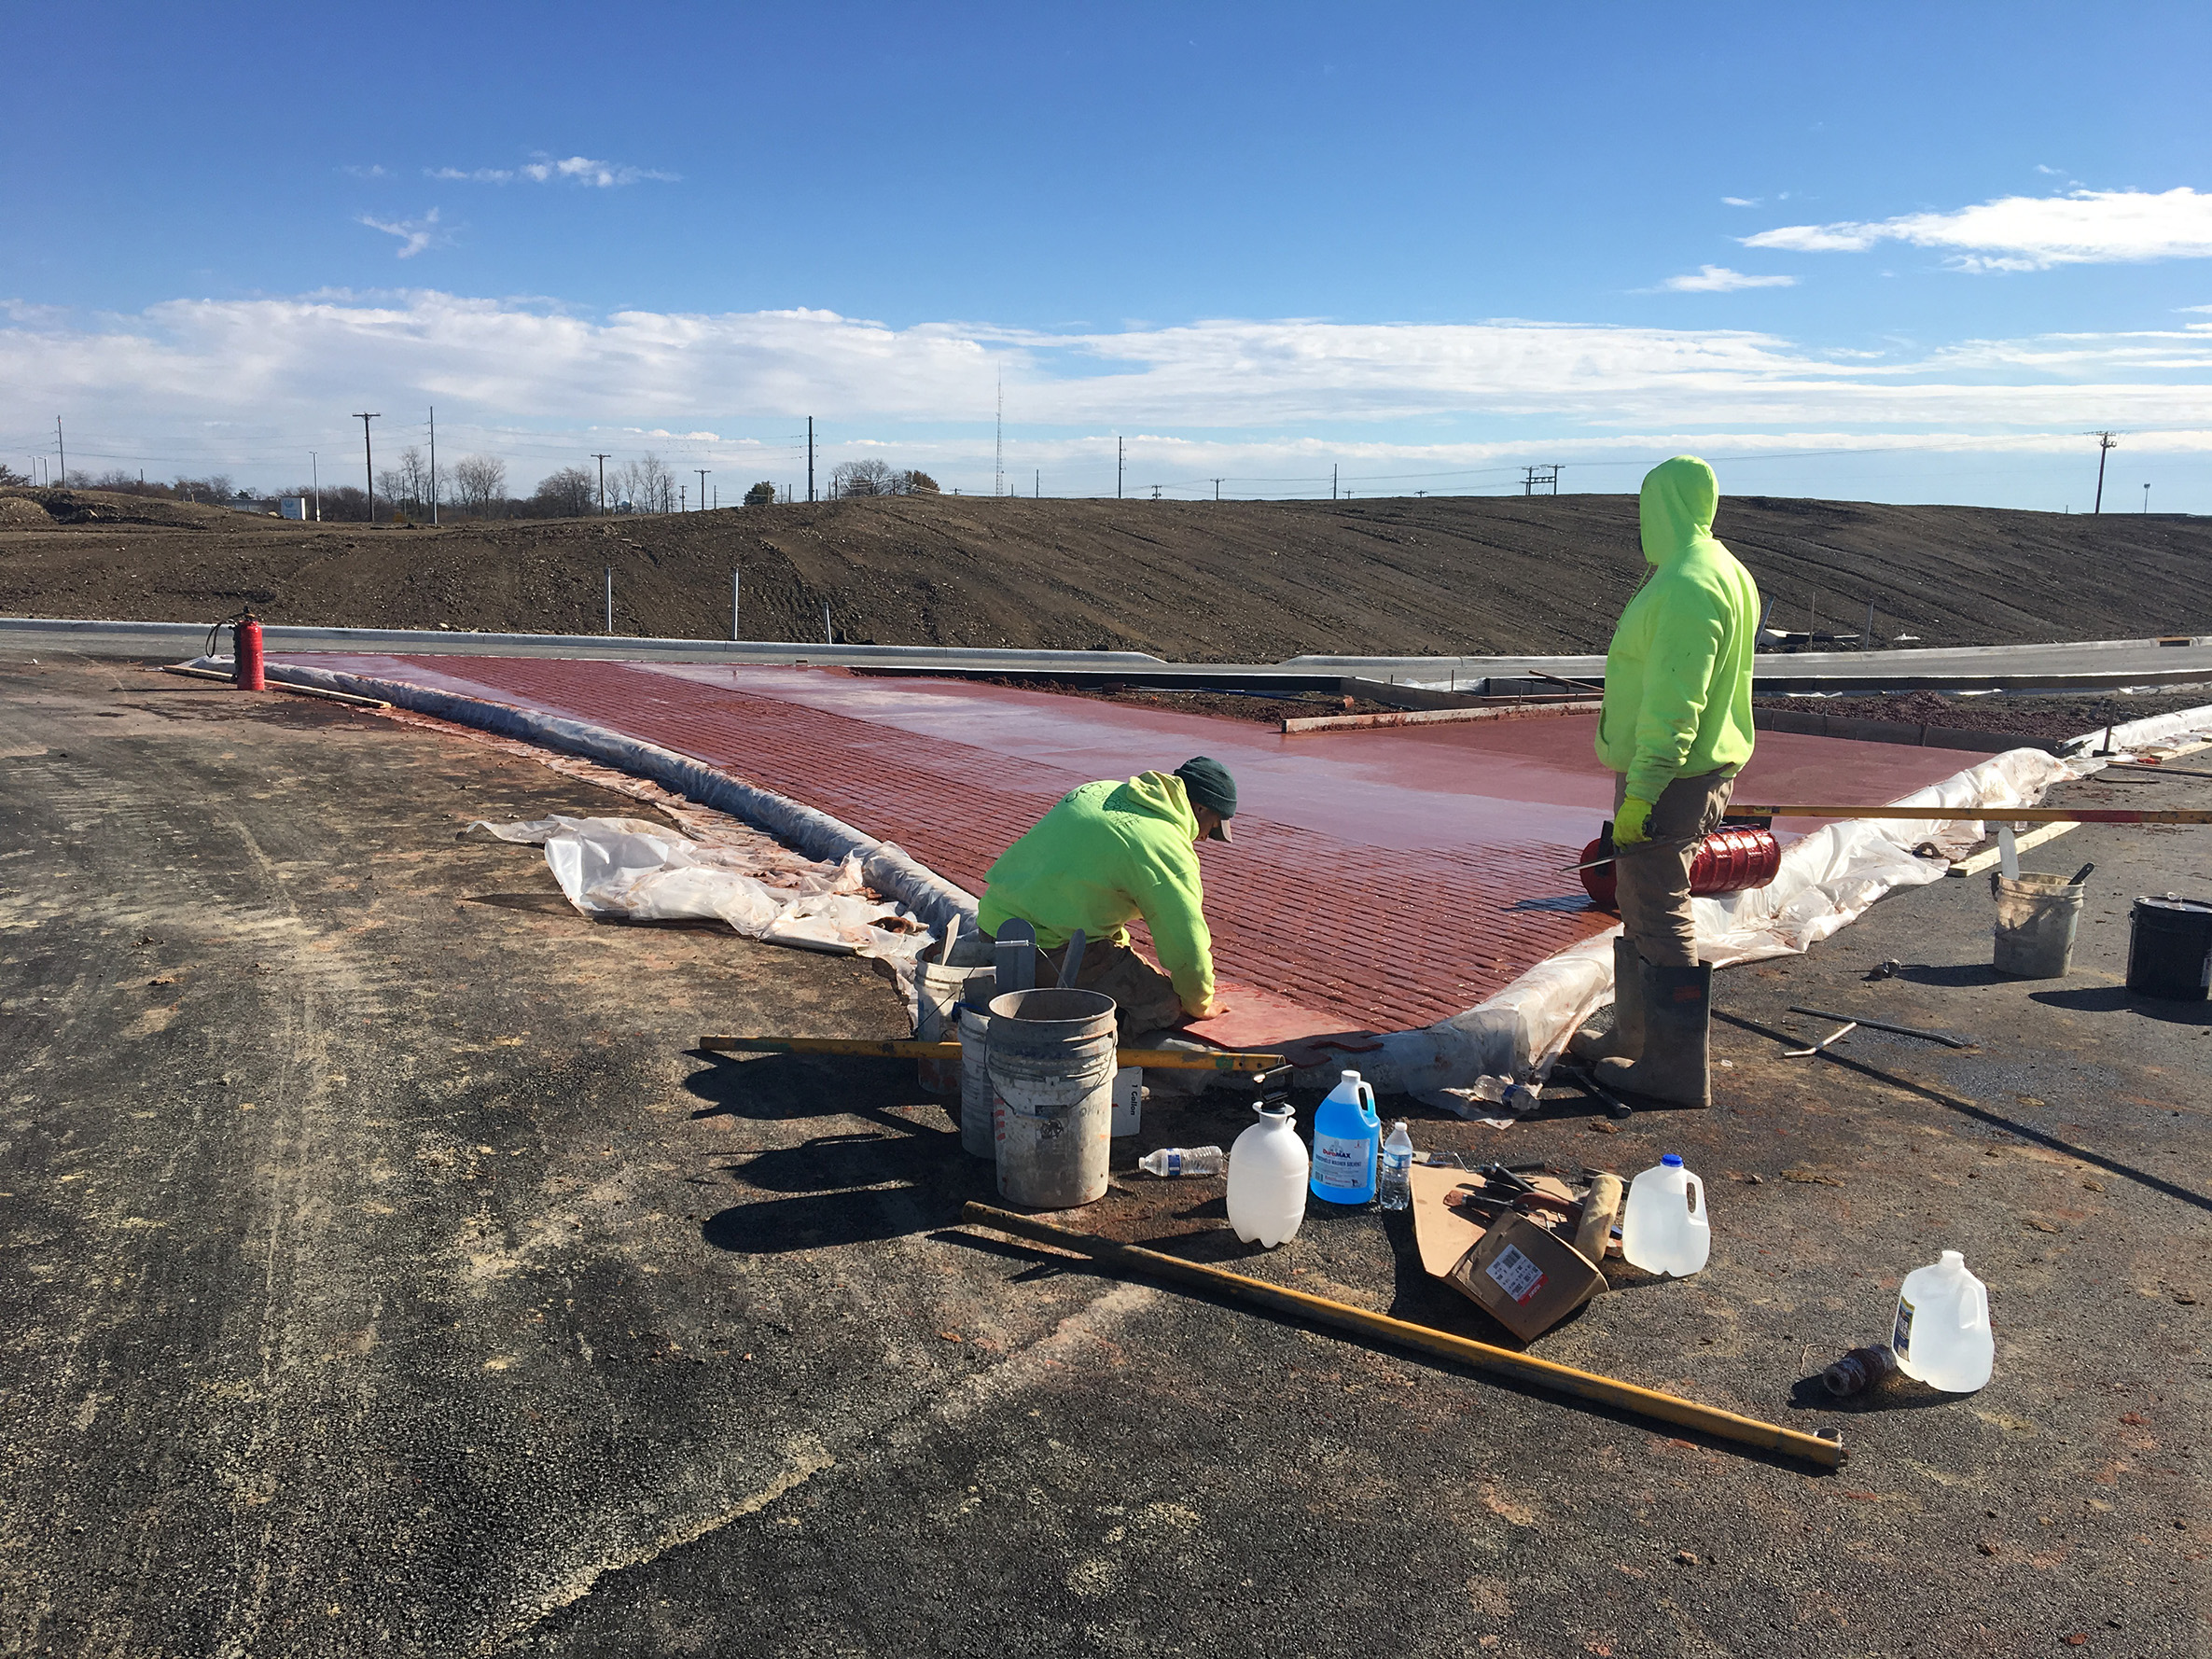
x: 1108, y: 853
x: 1676, y: 726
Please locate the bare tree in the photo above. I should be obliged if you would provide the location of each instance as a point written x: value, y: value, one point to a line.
x: 646, y: 483
x: 862, y: 478
x: 414, y: 479
x: 479, y: 481
x: 570, y: 492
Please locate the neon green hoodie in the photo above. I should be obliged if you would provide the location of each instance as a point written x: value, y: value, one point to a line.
x: 1678, y: 672
x: 1107, y: 854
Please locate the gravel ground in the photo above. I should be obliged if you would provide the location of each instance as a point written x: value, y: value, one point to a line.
x: 2029, y: 715
x: 384, y: 1271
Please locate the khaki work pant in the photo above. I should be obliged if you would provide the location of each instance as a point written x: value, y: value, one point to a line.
x: 1653, y: 877
x: 1145, y: 998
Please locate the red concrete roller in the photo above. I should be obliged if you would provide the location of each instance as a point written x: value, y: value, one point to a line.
x: 1730, y: 860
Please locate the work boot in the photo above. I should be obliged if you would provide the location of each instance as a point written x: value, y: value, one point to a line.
x: 1675, y: 1066
x: 1626, y: 1040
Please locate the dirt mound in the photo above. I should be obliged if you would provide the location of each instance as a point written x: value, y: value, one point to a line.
x: 18, y: 510
x: 106, y: 507
x: 1192, y: 581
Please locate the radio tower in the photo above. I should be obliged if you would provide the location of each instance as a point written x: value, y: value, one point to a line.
x: 999, y: 489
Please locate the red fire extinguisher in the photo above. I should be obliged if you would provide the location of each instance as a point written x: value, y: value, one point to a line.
x: 246, y: 651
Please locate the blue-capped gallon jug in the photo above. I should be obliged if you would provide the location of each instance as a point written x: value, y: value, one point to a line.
x: 1347, y: 1139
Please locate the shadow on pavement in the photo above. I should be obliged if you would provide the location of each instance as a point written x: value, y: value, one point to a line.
x: 2108, y: 1000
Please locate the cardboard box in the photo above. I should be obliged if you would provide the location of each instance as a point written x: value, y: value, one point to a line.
x: 1525, y: 1277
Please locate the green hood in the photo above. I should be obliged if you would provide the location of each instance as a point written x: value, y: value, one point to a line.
x: 1676, y: 508
x: 1157, y: 795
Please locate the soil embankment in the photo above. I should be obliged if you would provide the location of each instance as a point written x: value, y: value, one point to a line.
x: 1245, y: 581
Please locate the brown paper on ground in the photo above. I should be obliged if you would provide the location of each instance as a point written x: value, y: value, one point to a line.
x: 1444, y: 1234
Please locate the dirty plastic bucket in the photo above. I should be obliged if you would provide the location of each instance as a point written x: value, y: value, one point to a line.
x: 2169, y: 949
x: 1052, y: 1062
x: 939, y: 990
x: 978, y: 1139
x: 2036, y: 917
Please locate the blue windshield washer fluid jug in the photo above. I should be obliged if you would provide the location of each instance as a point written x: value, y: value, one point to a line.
x: 1347, y: 1141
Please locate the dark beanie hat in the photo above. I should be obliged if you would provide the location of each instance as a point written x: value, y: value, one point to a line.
x: 1207, y: 784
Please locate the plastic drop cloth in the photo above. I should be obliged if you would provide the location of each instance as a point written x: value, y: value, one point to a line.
x: 643, y: 871
x: 1827, y: 881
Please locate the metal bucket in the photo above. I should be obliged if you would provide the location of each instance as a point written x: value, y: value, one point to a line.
x: 1052, y: 1064
x: 2169, y: 949
x: 2036, y: 917
x: 978, y: 1138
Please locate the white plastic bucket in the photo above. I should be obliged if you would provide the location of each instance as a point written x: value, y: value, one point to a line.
x: 936, y: 993
x: 978, y: 1138
x: 1052, y: 1062
x: 2036, y: 917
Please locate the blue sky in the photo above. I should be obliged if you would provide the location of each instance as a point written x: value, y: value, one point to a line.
x: 1895, y: 252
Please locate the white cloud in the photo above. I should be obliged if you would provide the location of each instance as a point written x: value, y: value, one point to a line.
x: 240, y: 383
x: 2029, y: 233
x: 414, y: 234
x: 545, y: 169
x: 371, y: 171
x: 1719, y: 279
x: 1739, y: 200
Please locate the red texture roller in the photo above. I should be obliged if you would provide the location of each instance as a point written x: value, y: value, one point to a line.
x: 1732, y: 860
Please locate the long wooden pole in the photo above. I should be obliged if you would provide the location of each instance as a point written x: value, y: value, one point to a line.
x: 2008, y: 815
x: 907, y: 1049
x: 1527, y: 1368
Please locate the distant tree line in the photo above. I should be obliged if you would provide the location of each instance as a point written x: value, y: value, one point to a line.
x: 475, y: 486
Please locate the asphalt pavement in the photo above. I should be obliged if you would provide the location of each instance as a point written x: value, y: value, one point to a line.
x: 385, y: 1270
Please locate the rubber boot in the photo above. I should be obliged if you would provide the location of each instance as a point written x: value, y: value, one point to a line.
x: 1626, y: 1040
x: 1675, y: 1066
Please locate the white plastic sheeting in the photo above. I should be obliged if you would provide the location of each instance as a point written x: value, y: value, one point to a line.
x: 1827, y: 880
x: 643, y: 871
x: 885, y: 866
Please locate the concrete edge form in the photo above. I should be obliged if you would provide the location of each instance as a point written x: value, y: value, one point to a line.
x: 2077, y: 667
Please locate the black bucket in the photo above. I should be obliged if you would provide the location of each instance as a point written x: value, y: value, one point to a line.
x: 2169, y: 949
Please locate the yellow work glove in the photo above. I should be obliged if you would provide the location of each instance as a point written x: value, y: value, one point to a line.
x: 1631, y: 823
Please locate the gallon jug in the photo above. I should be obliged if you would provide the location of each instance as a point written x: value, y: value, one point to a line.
x: 1267, y: 1179
x: 1943, y: 1333
x: 1347, y: 1138
x: 1663, y: 1226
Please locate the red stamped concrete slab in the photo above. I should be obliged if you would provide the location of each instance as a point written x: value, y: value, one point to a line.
x: 1380, y: 879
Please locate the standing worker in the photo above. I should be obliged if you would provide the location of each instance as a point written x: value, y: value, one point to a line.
x: 1677, y: 727
x: 1111, y: 852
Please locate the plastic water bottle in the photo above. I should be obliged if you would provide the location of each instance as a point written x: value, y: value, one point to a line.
x: 1267, y: 1178
x: 1943, y: 1334
x: 1170, y: 1162
x: 1664, y: 1227
x: 1347, y: 1139
x: 1397, y: 1180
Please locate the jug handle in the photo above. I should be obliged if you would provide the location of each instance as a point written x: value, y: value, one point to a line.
x: 1367, y: 1103
x: 1696, y: 1184
x: 1980, y: 1315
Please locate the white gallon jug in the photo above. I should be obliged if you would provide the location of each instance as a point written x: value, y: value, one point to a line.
x: 1267, y: 1179
x: 1663, y: 1226
x: 1943, y: 1334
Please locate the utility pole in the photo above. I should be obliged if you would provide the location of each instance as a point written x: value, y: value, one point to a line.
x: 683, y: 497
x: 702, y: 472
x: 314, y: 472
x: 1037, y: 487
x: 1543, y: 478
x: 1332, y: 482
x: 2106, y: 441
x: 602, y: 460
x: 1120, y: 452
x: 998, y: 488
x: 1217, y: 489
x: 2146, y: 500
x: 810, y: 458
x: 369, y: 462
x: 737, y: 589
x: 64, y: 449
